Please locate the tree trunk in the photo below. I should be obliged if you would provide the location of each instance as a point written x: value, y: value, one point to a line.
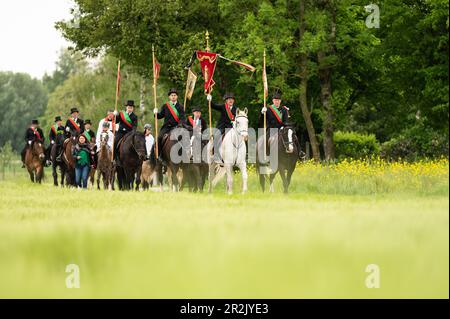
x: 304, y: 89
x: 325, y: 95
x: 325, y: 72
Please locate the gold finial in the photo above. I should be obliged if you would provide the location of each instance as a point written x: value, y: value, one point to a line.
x: 207, y: 41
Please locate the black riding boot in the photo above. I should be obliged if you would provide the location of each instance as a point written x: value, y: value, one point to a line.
x: 22, y: 155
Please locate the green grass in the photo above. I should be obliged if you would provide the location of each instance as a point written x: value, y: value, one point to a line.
x: 308, y: 244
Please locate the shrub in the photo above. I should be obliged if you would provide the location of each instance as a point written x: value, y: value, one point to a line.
x: 355, y: 145
x: 415, y: 143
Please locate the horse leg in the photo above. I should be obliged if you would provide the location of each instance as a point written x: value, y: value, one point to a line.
x: 211, y: 176
x: 262, y: 182
x: 138, y: 178
x: 31, y: 175
x: 272, y: 177
x: 99, y: 176
x: 288, y: 178
x: 39, y: 173
x: 243, y: 168
x: 284, y: 179
x: 63, y: 175
x: 55, y: 175
x: 229, y: 170
x: 199, y: 178
x: 174, y: 179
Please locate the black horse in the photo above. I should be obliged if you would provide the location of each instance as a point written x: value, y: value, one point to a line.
x: 55, y: 150
x: 131, y: 152
x: 288, y: 154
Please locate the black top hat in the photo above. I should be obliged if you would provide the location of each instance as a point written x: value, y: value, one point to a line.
x: 73, y: 110
x: 88, y: 122
x: 172, y: 90
x: 228, y: 95
x: 196, y: 109
x: 130, y: 103
x: 58, y: 118
x: 276, y: 96
x: 35, y: 122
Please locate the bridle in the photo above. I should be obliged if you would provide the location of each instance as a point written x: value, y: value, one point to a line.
x: 286, y: 144
x: 133, y: 144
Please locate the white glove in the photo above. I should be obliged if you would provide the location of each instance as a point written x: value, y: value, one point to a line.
x: 67, y: 129
x: 53, y: 142
x: 264, y: 110
x: 209, y: 97
x: 155, y: 110
x: 115, y: 113
x: 29, y: 142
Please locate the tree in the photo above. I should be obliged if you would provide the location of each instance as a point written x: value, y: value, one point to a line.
x: 21, y: 100
x: 69, y: 62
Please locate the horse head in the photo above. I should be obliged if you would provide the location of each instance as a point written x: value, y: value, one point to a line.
x: 38, y: 150
x: 287, y: 134
x: 139, y: 145
x: 241, y: 123
x: 104, y: 139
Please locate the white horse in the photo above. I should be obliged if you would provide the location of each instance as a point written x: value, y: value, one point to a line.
x: 232, y: 152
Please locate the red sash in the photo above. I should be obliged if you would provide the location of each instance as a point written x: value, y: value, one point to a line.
x: 229, y: 113
x: 77, y: 127
x: 276, y: 114
x: 54, y: 130
x: 175, y: 116
x: 37, y: 134
x: 122, y: 116
x: 191, y: 120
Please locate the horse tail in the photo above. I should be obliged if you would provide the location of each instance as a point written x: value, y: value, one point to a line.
x: 219, y: 175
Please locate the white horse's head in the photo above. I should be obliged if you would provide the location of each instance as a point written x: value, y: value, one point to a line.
x: 241, y: 123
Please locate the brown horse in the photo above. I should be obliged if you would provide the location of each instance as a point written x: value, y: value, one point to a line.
x: 148, y: 171
x: 195, y: 172
x: 104, y: 162
x: 34, y: 159
x: 69, y: 160
x: 176, y: 152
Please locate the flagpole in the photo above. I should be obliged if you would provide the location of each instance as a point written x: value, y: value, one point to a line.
x: 154, y: 99
x: 185, y: 92
x: 265, y: 104
x: 209, y: 91
x: 115, y: 108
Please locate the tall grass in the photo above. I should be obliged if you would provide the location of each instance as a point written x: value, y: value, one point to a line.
x: 314, y: 242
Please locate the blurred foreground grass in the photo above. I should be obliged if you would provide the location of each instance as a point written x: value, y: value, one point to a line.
x: 314, y: 242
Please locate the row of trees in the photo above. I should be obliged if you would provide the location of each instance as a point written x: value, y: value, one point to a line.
x: 335, y: 73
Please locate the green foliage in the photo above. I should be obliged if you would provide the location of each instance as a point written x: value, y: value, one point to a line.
x: 381, y: 79
x: 355, y: 145
x: 21, y: 100
x: 415, y: 143
x: 92, y: 91
x: 68, y: 63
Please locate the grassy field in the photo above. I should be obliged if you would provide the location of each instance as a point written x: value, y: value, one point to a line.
x: 315, y: 242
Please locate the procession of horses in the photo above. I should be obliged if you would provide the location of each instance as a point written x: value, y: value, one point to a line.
x: 185, y: 153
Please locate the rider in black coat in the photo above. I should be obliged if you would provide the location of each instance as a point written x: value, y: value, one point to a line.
x: 227, y: 112
x: 127, y: 122
x: 33, y: 133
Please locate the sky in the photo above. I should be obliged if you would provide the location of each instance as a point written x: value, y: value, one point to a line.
x: 29, y: 42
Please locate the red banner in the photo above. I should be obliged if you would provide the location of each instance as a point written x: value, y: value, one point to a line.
x: 208, y: 63
x: 156, y: 68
